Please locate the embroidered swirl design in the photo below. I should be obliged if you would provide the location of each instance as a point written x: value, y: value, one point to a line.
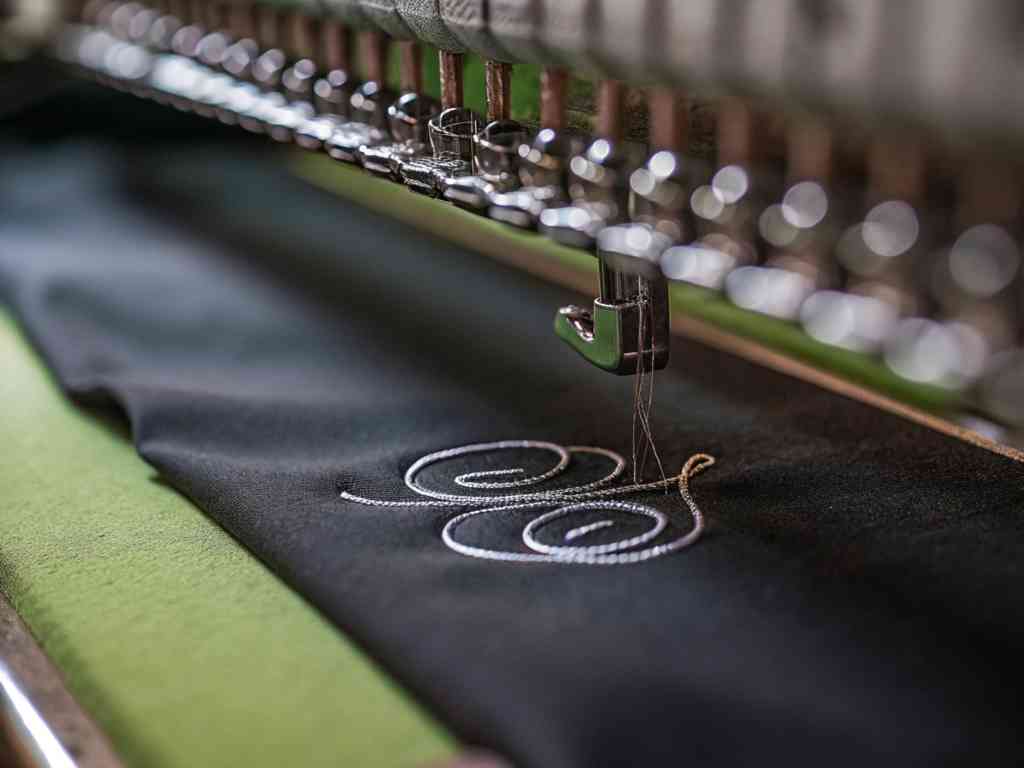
x: 565, y: 501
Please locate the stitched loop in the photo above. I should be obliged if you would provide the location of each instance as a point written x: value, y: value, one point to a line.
x: 566, y: 501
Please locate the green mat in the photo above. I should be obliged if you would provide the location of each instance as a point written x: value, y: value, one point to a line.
x: 184, y: 648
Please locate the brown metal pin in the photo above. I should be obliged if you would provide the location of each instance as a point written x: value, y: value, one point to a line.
x: 300, y: 41
x: 497, y: 82
x: 335, y: 46
x: 733, y: 132
x: 609, y: 109
x: 451, y: 78
x: 373, y: 50
x: 668, y: 120
x: 197, y: 11
x: 181, y: 10
x: 268, y: 25
x: 895, y: 170
x: 216, y: 17
x: 242, y: 20
x: 553, y: 85
x: 410, y: 67
x: 809, y: 150
x: 988, y: 191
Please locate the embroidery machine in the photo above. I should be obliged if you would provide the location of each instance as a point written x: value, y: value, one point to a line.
x: 827, y: 187
x: 831, y: 179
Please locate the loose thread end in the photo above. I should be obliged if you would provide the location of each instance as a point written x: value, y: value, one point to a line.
x: 696, y: 464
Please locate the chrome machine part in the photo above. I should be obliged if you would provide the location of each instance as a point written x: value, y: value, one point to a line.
x: 627, y: 329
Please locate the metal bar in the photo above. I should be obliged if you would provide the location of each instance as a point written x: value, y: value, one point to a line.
x: 411, y: 68
x: 25, y: 738
x: 733, y: 132
x: 988, y: 192
x: 335, y: 46
x: 300, y: 35
x: 809, y: 151
x: 216, y: 16
x: 895, y: 170
x: 197, y: 12
x: 669, y: 120
x: 609, y: 109
x: 40, y: 723
x: 497, y: 81
x: 374, y: 52
x: 268, y: 27
x: 451, y: 79
x: 553, y: 84
x: 242, y: 20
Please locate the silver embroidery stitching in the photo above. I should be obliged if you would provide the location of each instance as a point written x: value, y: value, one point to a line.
x: 573, y: 499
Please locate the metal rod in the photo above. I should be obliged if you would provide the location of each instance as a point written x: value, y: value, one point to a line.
x: 609, y: 109
x: 668, y: 120
x: 374, y: 52
x: 809, y: 151
x: 553, y: 83
x: 242, y: 20
x: 197, y: 12
x: 733, y: 132
x: 411, y: 67
x: 988, y: 192
x: 300, y: 35
x: 26, y: 736
x: 895, y: 169
x: 40, y: 722
x: 451, y: 79
x: 335, y: 46
x: 497, y: 81
x: 269, y: 27
x: 215, y: 19
x: 179, y: 10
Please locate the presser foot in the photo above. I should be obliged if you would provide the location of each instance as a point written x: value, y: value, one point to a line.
x: 407, y: 120
x: 471, y: 193
x: 496, y: 162
x: 607, y: 336
x: 385, y: 160
x: 314, y: 133
x: 627, y: 330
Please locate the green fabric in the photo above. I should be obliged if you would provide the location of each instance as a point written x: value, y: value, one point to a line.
x: 185, y: 649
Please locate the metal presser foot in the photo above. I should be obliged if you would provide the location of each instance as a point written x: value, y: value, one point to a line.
x: 495, y: 148
x: 367, y: 108
x: 285, y: 114
x: 451, y: 138
x: 627, y: 330
x: 331, y: 96
x: 598, y: 180
x: 496, y: 163
x: 543, y: 164
x: 286, y: 117
x: 599, y: 195
x: 408, y: 118
x: 367, y: 127
x: 543, y: 169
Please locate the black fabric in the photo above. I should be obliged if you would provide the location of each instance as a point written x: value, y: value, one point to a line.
x: 857, y: 596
